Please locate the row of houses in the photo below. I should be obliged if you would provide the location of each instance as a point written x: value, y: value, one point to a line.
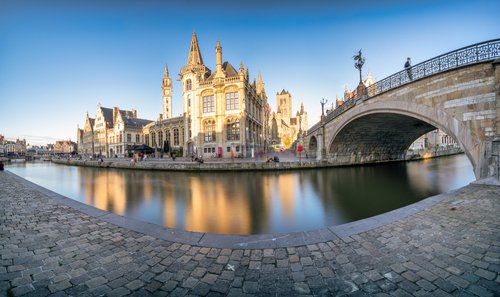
x: 21, y: 148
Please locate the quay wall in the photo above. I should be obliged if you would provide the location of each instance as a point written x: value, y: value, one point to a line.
x: 225, y: 165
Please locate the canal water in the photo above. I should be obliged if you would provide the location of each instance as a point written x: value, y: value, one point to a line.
x: 253, y: 202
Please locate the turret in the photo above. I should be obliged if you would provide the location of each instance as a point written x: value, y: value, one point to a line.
x: 166, y: 89
x: 219, y: 72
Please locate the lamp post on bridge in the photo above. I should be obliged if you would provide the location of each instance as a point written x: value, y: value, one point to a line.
x: 360, y: 61
x: 323, y: 148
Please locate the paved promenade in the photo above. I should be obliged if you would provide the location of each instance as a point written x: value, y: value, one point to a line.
x: 448, y: 247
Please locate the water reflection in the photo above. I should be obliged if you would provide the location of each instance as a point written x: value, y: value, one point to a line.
x: 253, y: 202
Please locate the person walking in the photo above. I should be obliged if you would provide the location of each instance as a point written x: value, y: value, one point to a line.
x: 408, y: 68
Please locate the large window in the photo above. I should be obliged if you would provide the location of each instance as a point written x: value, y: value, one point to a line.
x: 233, y: 129
x: 189, y: 85
x: 129, y: 137
x: 209, y: 129
x: 146, y: 139
x: 208, y: 104
x: 232, y: 101
x: 176, y: 136
x: 160, y: 138
x: 167, y: 136
x: 137, y: 138
x: 153, y: 139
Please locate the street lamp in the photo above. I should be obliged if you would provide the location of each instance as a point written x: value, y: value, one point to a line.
x: 323, y: 148
x: 360, y: 60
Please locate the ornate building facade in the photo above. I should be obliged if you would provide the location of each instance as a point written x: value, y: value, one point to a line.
x: 284, y: 128
x: 224, y: 112
x: 111, y: 133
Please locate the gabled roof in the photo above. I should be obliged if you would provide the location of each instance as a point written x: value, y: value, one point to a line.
x: 135, y: 123
x: 229, y: 69
x: 108, y: 116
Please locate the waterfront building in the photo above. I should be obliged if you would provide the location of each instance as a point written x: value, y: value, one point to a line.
x: 65, y: 147
x: 85, y: 137
x: 224, y: 112
x: 434, y: 140
x: 167, y: 133
x: 20, y: 147
x: 111, y: 133
x: 285, y: 128
x: 17, y: 147
x: 2, y: 145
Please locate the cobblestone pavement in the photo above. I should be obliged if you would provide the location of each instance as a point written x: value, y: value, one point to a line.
x: 46, y: 248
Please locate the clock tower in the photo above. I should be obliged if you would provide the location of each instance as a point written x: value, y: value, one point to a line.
x: 166, y: 92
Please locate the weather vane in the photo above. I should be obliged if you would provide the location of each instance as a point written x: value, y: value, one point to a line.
x: 360, y: 60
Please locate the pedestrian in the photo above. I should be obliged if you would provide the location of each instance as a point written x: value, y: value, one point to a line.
x: 408, y: 68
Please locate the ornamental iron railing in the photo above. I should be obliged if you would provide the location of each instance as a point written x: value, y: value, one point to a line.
x: 472, y: 54
x: 476, y: 53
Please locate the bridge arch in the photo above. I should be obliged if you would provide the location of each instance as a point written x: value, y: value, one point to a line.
x: 457, y: 92
x: 383, y: 131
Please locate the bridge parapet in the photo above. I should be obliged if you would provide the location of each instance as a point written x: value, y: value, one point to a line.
x: 472, y: 54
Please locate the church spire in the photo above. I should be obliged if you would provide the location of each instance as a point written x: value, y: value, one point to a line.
x: 194, y: 57
x: 167, y: 82
x: 260, y: 84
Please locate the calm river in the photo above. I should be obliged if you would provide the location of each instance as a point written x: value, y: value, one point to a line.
x: 253, y: 202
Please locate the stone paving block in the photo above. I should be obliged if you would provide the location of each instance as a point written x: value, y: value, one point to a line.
x: 59, y: 286
x: 134, y: 285
x: 250, y: 287
x: 209, y: 278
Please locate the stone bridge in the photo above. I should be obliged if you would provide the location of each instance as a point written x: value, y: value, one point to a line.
x: 457, y: 92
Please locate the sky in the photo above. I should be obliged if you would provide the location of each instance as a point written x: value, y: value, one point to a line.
x: 59, y: 59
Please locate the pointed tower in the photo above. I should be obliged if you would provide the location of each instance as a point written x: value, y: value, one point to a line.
x: 194, y: 57
x: 166, y: 91
x: 260, y: 85
x: 219, y: 72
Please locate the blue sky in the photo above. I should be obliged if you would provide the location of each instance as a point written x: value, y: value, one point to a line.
x: 58, y: 60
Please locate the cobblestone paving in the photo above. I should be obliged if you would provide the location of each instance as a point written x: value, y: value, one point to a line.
x: 451, y: 249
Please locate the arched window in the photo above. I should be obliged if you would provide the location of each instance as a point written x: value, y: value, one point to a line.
x: 167, y: 136
x: 176, y: 136
x: 233, y: 129
x: 188, y: 85
x: 153, y: 139
x: 209, y: 129
x: 160, y: 138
